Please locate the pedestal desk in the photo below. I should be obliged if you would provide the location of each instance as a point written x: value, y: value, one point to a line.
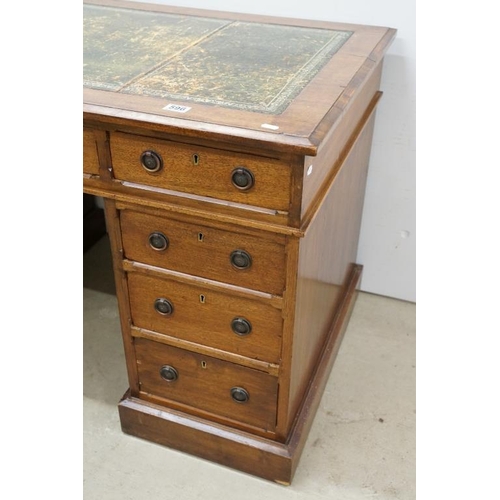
x: 231, y: 151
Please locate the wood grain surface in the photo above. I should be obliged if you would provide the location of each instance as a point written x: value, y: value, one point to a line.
x: 90, y: 159
x: 326, y: 256
x: 207, y: 386
x: 211, y: 176
x: 219, y: 443
x: 209, y: 257
x: 204, y: 316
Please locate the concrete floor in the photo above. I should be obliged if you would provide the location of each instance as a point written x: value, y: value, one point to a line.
x: 361, y: 445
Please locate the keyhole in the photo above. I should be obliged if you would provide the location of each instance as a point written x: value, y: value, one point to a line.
x: 202, y: 298
x: 203, y: 364
x: 196, y: 159
x: 201, y: 236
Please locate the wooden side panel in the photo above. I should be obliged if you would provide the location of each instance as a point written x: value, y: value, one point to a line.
x: 326, y: 255
x: 90, y: 159
x: 317, y: 169
x: 115, y: 238
x: 321, y: 372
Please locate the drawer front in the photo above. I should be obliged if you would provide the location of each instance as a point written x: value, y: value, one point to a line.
x: 204, y: 251
x: 207, y: 383
x: 242, y: 326
x: 201, y: 171
x: 90, y: 159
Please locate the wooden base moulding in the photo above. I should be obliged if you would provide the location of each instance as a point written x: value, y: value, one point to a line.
x: 237, y: 449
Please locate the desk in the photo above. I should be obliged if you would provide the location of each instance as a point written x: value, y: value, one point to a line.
x: 232, y: 152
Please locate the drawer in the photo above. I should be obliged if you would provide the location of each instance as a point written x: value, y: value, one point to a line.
x: 190, y: 312
x: 208, y: 384
x: 204, y: 251
x: 90, y: 159
x: 201, y: 171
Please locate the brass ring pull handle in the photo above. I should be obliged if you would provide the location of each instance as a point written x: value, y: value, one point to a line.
x: 242, y: 179
x: 240, y: 259
x: 158, y: 241
x: 241, y: 326
x: 163, y: 307
x: 168, y: 373
x: 151, y: 161
x: 240, y: 395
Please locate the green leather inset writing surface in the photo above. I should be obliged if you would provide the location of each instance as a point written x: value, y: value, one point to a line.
x: 239, y: 65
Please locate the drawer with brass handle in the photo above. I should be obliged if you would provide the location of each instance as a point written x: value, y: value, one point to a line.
x: 236, y: 258
x: 238, y: 177
x: 217, y: 319
x: 201, y: 382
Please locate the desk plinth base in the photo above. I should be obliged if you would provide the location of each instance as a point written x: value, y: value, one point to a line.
x: 231, y: 447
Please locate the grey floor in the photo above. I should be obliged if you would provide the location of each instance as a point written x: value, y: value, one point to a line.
x: 361, y: 446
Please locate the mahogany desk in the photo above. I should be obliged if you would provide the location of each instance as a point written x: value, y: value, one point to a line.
x: 232, y: 152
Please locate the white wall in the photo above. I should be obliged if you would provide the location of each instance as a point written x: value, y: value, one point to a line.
x: 387, y: 241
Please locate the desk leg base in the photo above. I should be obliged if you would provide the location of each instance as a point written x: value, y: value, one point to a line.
x: 237, y: 449
x: 215, y: 442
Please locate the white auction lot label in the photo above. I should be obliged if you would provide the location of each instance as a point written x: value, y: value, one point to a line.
x: 177, y: 108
